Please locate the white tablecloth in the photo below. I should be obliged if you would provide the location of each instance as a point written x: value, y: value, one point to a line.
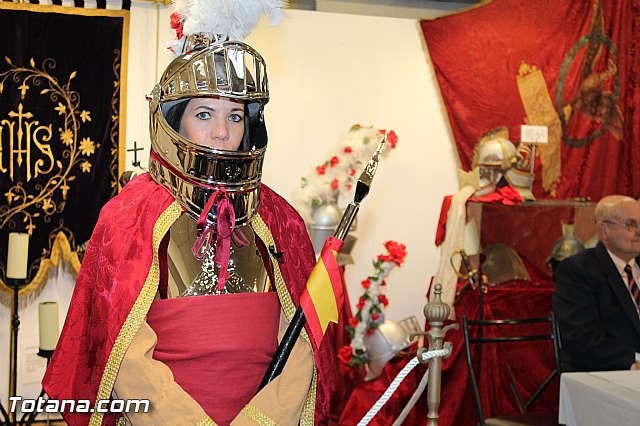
x: 600, y: 398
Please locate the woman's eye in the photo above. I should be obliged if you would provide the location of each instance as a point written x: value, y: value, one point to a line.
x: 236, y: 118
x: 203, y: 115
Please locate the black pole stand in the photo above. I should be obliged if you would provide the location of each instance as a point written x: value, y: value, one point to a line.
x: 27, y: 419
x: 15, y: 283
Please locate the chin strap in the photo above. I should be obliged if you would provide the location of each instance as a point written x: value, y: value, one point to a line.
x: 225, y: 224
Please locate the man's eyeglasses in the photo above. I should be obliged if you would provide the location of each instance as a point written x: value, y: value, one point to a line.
x: 630, y: 225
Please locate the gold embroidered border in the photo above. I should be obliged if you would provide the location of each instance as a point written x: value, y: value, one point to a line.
x: 61, y: 250
x: 206, y: 422
x: 138, y: 312
x: 257, y: 416
x: 307, y: 418
x: 261, y: 229
x: 263, y: 232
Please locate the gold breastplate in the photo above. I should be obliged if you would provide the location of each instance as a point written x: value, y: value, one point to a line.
x: 191, y: 277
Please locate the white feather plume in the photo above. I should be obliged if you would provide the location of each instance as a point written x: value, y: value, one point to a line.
x: 232, y: 18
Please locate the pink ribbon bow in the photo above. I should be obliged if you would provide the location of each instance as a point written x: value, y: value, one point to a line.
x: 225, y: 224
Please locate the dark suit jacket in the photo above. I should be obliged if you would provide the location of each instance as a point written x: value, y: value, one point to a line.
x: 599, y: 324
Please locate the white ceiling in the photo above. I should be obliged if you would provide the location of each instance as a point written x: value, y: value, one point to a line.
x: 412, y: 9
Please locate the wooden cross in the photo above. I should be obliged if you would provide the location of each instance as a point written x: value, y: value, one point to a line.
x: 135, y: 150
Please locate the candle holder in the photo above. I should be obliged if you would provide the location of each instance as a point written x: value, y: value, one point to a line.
x: 15, y: 284
x: 27, y: 419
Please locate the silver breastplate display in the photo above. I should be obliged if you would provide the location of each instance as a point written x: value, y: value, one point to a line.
x: 191, y: 277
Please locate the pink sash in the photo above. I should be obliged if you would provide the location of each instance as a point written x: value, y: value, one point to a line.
x: 218, y: 347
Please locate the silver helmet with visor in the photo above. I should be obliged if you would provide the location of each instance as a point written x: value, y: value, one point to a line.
x: 193, y: 172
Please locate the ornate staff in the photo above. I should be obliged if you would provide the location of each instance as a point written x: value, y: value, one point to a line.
x: 324, y: 282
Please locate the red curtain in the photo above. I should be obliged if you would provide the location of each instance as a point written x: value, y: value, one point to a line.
x: 516, y: 299
x: 572, y: 65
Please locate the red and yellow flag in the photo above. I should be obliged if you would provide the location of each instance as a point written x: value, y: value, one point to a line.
x: 321, y: 301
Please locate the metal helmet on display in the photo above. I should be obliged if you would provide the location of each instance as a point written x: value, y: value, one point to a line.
x: 210, y: 65
x: 493, y: 154
x: 566, y: 246
x: 494, y: 149
x: 521, y: 176
x: 389, y: 338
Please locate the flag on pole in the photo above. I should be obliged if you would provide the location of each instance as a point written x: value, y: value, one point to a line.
x: 321, y: 301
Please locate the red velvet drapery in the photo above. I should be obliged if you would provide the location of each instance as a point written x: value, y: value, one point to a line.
x: 517, y: 299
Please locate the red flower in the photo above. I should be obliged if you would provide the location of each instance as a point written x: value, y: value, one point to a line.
x: 334, y: 161
x: 349, y: 186
x: 383, y: 283
x: 353, y: 322
x: 345, y: 354
x: 346, y: 370
x: 366, y: 283
x: 353, y: 172
x: 392, y: 138
x: 361, y: 302
x: 375, y: 316
x: 397, y: 252
x: 335, y: 184
x: 383, y: 299
x: 321, y: 169
x: 348, y: 149
x: 370, y: 332
x: 176, y: 24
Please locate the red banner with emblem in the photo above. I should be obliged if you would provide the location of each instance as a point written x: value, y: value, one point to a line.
x: 570, y: 65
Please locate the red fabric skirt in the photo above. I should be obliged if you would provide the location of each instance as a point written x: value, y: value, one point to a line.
x: 218, y: 347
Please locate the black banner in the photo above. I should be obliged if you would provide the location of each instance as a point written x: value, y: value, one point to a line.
x: 62, y: 72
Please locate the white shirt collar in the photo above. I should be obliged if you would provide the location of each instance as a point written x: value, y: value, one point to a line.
x: 620, y: 264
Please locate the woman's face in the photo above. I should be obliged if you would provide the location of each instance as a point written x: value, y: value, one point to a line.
x: 214, y: 122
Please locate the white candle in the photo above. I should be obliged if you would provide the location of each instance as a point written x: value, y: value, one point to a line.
x: 48, y: 321
x: 17, y: 255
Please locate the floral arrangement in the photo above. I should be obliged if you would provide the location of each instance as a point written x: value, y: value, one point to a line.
x: 371, y: 305
x: 334, y: 178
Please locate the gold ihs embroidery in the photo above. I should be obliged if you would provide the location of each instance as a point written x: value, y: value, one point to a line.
x: 19, y: 136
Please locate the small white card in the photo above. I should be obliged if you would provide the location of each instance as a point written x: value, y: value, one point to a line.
x: 534, y: 134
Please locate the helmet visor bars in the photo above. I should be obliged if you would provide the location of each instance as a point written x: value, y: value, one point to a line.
x: 231, y: 69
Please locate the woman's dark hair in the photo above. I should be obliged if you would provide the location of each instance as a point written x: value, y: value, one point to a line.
x: 175, y: 113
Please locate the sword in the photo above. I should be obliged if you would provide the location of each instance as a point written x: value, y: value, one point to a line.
x: 297, y: 322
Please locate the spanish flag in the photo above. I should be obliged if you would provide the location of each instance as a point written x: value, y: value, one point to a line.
x: 321, y: 301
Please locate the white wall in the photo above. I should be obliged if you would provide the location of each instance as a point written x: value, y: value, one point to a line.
x: 327, y: 71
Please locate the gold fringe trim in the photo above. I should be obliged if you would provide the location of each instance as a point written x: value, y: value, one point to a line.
x: 263, y: 232
x: 206, y: 422
x: 257, y: 416
x: 308, y: 416
x: 138, y: 312
x: 61, y: 250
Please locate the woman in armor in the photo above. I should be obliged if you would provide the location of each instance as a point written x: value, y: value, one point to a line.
x: 194, y: 270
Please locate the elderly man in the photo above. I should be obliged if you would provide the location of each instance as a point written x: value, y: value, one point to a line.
x: 596, y: 296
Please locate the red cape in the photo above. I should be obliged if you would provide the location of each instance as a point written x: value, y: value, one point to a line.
x: 121, y: 257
